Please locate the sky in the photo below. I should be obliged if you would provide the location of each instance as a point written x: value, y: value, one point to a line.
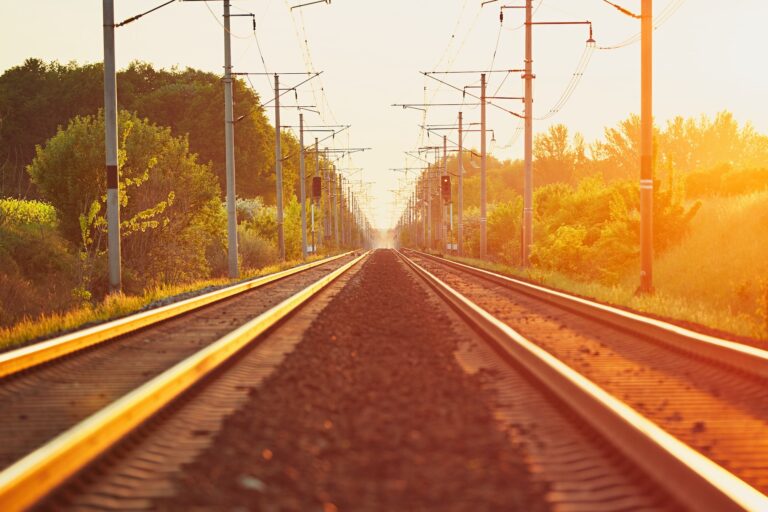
x: 708, y: 56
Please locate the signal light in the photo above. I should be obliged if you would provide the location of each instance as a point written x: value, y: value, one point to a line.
x: 317, y: 187
x: 445, y: 188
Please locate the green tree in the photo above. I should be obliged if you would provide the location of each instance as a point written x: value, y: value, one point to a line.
x: 36, y: 98
x: 172, y: 221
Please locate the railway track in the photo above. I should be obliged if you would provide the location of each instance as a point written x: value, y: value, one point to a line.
x: 611, y: 419
x: 689, y: 410
x: 65, y: 402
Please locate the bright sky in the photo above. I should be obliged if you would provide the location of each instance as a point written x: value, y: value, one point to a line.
x: 709, y: 56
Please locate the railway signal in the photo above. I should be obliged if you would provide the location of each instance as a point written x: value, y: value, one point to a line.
x: 445, y: 188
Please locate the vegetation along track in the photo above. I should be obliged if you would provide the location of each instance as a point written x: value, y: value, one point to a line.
x: 61, y: 412
x: 678, y: 400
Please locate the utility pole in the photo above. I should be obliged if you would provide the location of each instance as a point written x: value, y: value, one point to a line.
x: 528, y: 169
x: 314, y: 174
x: 302, y: 189
x: 483, y: 163
x: 342, y: 231
x: 446, y: 239
x: 460, y: 237
x: 279, y: 172
x: 110, y: 136
x: 229, y: 141
x: 327, y: 212
x: 646, y: 148
x: 429, y: 208
x: 334, y: 207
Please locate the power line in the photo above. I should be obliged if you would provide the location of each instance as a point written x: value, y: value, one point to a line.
x: 134, y: 18
x: 570, y: 88
x: 623, y: 10
x: 662, y: 18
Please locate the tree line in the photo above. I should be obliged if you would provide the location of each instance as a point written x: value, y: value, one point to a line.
x: 172, y: 173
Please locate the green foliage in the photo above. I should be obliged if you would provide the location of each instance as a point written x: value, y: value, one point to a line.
x: 255, y: 251
x: 35, y: 262
x: 292, y: 228
x: 504, y: 230
x: 170, y: 212
x: 591, y: 231
x: 724, y: 180
x: 188, y: 101
x: 19, y: 212
x: 34, y: 99
x: 557, y: 158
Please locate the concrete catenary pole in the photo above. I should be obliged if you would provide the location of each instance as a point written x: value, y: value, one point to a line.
x: 342, y: 232
x: 302, y: 188
x: 327, y: 213
x: 335, y: 208
x: 315, y: 173
x: 460, y: 206
x: 443, y: 203
x: 110, y: 139
x: 279, y: 172
x: 483, y: 163
x: 229, y: 143
x: 528, y: 152
x: 646, y: 148
x: 429, y: 207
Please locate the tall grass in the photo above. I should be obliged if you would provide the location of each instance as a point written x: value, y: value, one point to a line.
x: 116, y: 306
x: 717, y: 276
x: 722, y: 265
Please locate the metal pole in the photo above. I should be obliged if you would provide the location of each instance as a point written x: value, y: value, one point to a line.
x: 279, y: 172
x: 460, y: 237
x: 334, y: 195
x: 443, y: 204
x: 429, y: 208
x: 314, y: 174
x: 528, y: 170
x: 327, y: 205
x: 646, y: 148
x: 302, y: 189
x: 483, y: 206
x: 110, y: 140
x: 340, y: 191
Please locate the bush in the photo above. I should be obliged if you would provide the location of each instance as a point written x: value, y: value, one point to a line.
x: 171, y: 212
x: 255, y: 251
x: 38, y: 268
x: 592, y: 231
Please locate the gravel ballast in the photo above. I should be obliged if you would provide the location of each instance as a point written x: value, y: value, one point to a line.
x: 370, y: 412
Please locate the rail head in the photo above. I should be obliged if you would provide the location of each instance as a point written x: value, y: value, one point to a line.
x: 696, y: 481
x: 741, y: 357
x: 33, y: 477
x: 43, y: 352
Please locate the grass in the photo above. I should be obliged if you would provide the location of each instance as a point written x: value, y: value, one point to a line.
x: 30, y: 330
x: 717, y: 276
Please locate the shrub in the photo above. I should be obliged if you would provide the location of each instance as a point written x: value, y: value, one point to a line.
x: 37, y: 266
x: 255, y: 251
x: 171, y: 212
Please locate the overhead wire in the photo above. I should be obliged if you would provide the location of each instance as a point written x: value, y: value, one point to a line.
x: 134, y: 18
x: 216, y: 18
x: 658, y: 21
x: 521, y: 25
x: 573, y: 83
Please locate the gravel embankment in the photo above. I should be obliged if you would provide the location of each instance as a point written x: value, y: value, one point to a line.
x: 370, y: 412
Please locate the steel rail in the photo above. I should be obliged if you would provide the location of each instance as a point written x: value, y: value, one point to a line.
x: 694, y: 480
x: 741, y: 357
x: 46, y: 351
x: 33, y: 477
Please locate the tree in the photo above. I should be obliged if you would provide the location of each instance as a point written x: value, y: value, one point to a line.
x: 171, y: 218
x: 36, y: 98
x: 557, y: 159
